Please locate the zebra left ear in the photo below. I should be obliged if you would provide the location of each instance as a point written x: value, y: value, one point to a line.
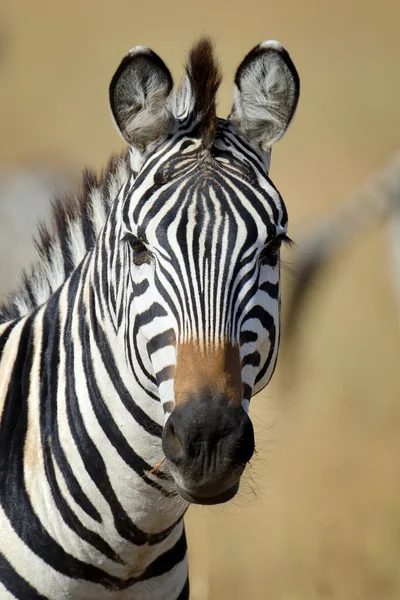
x: 265, y: 94
x: 139, y: 98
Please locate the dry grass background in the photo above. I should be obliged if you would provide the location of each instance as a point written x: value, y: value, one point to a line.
x: 319, y: 511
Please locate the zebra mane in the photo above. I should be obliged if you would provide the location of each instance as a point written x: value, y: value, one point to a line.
x: 75, y: 224
x: 205, y: 78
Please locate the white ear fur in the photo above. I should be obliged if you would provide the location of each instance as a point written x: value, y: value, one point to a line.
x: 140, y: 98
x: 265, y: 94
x: 184, y: 99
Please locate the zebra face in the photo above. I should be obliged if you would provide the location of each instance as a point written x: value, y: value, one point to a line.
x: 202, y: 225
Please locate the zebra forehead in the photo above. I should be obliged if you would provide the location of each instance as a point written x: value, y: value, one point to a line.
x: 207, y: 212
x: 210, y: 186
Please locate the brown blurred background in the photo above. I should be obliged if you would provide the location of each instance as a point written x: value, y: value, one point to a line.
x: 319, y: 511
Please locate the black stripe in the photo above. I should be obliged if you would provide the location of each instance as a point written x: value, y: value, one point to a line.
x: 125, y: 283
x: 259, y: 312
x: 248, y: 337
x: 166, y: 561
x: 86, y: 220
x: 272, y: 289
x: 272, y: 337
x: 103, y: 274
x: 162, y: 340
x: 165, y: 374
x: 101, y: 277
x: 14, y: 417
x: 252, y: 359
x: 138, y: 289
x: 5, y: 335
x: 112, y: 259
x: 15, y: 584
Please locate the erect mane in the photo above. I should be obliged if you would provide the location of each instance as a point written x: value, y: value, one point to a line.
x: 205, y: 78
x: 75, y: 224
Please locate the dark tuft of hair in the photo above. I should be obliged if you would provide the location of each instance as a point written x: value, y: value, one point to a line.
x: 205, y: 78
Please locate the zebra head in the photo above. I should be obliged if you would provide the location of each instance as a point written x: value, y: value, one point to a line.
x: 202, y: 224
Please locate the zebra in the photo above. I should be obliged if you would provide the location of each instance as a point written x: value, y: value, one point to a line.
x: 130, y: 354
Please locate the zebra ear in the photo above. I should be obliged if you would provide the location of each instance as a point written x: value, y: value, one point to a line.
x: 139, y: 98
x: 265, y: 94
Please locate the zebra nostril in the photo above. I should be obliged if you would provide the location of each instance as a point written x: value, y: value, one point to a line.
x: 174, y: 439
x: 172, y: 445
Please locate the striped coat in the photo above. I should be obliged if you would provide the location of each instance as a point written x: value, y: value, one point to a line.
x: 129, y: 357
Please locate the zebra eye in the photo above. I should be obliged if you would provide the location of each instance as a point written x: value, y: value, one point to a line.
x: 138, y: 247
x: 140, y: 252
x: 271, y: 250
x: 274, y: 246
x: 269, y: 253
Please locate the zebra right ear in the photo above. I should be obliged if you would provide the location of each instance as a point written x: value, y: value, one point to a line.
x: 266, y: 93
x: 139, y: 98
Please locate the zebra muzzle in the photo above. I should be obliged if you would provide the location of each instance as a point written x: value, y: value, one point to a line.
x: 208, y: 443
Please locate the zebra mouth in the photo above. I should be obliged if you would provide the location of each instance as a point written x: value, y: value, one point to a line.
x: 209, y: 500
